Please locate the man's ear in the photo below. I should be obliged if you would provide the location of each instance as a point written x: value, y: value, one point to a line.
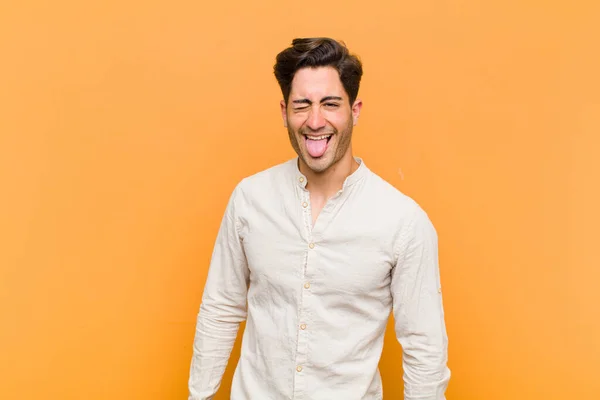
x: 356, y: 107
x: 284, y: 112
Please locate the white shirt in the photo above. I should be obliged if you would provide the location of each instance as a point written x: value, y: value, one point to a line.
x: 316, y: 299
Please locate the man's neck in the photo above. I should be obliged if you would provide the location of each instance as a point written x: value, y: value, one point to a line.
x: 328, y: 183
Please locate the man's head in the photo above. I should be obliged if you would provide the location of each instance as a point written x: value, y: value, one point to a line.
x: 319, y: 80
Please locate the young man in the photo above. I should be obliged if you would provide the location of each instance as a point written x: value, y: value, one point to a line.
x: 314, y: 254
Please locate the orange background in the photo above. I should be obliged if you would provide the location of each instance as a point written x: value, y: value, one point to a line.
x: 124, y: 127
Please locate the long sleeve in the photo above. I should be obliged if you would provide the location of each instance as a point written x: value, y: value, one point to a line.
x: 418, y: 311
x: 222, y: 309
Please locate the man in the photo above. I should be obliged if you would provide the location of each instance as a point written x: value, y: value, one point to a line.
x: 314, y: 254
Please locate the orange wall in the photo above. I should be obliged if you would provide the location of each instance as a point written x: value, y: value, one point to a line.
x: 124, y: 127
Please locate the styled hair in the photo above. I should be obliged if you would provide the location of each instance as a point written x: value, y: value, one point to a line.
x: 318, y: 52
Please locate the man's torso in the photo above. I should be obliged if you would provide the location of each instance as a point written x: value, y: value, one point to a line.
x: 319, y: 296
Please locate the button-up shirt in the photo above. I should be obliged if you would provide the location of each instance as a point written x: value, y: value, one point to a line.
x: 317, y: 298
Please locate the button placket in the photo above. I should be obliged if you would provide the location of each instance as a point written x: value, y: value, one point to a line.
x: 304, y: 312
x: 302, y: 361
x: 302, y: 356
x: 302, y: 344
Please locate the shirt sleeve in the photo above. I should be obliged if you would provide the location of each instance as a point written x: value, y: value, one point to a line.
x: 418, y: 311
x: 222, y: 309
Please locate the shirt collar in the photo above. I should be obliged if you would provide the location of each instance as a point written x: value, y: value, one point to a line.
x: 354, y: 177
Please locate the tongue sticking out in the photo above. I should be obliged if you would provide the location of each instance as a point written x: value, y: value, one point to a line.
x: 316, y: 148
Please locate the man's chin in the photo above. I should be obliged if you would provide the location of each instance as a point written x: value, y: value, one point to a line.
x: 317, y: 165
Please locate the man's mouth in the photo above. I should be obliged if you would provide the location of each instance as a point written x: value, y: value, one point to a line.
x: 328, y: 136
x: 317, y: 145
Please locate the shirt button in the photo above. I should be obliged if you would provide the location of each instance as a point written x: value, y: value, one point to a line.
x: 312, y: 245
x: 303, y: 326
x: 304, y: 204
x: 299, y: 368
x: 440, y: 290
x: 307, y: 285
x: 301, y: 179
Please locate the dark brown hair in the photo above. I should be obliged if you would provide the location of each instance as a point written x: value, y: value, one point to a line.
x: 318, y: 52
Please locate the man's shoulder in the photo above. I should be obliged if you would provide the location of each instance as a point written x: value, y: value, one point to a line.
x: 276, y: 172
x: 395, y: 207
x: 389, y: 197
x: 267, y: 179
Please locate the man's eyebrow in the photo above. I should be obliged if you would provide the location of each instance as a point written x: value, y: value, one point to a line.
x: 329, y: 98
x: 323, y: 100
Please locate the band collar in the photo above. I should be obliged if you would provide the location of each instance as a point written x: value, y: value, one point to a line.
x: 354, y: 177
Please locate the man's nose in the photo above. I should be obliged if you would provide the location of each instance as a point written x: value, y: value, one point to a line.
x: 315, y: 120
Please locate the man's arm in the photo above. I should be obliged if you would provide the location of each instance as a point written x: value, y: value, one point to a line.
x: 222, y: 309
x: 418, y: 311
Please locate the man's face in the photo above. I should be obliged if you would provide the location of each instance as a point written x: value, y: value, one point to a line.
x: 319, y: 118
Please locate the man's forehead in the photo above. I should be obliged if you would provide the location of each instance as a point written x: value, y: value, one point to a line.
x: 317, y: 82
